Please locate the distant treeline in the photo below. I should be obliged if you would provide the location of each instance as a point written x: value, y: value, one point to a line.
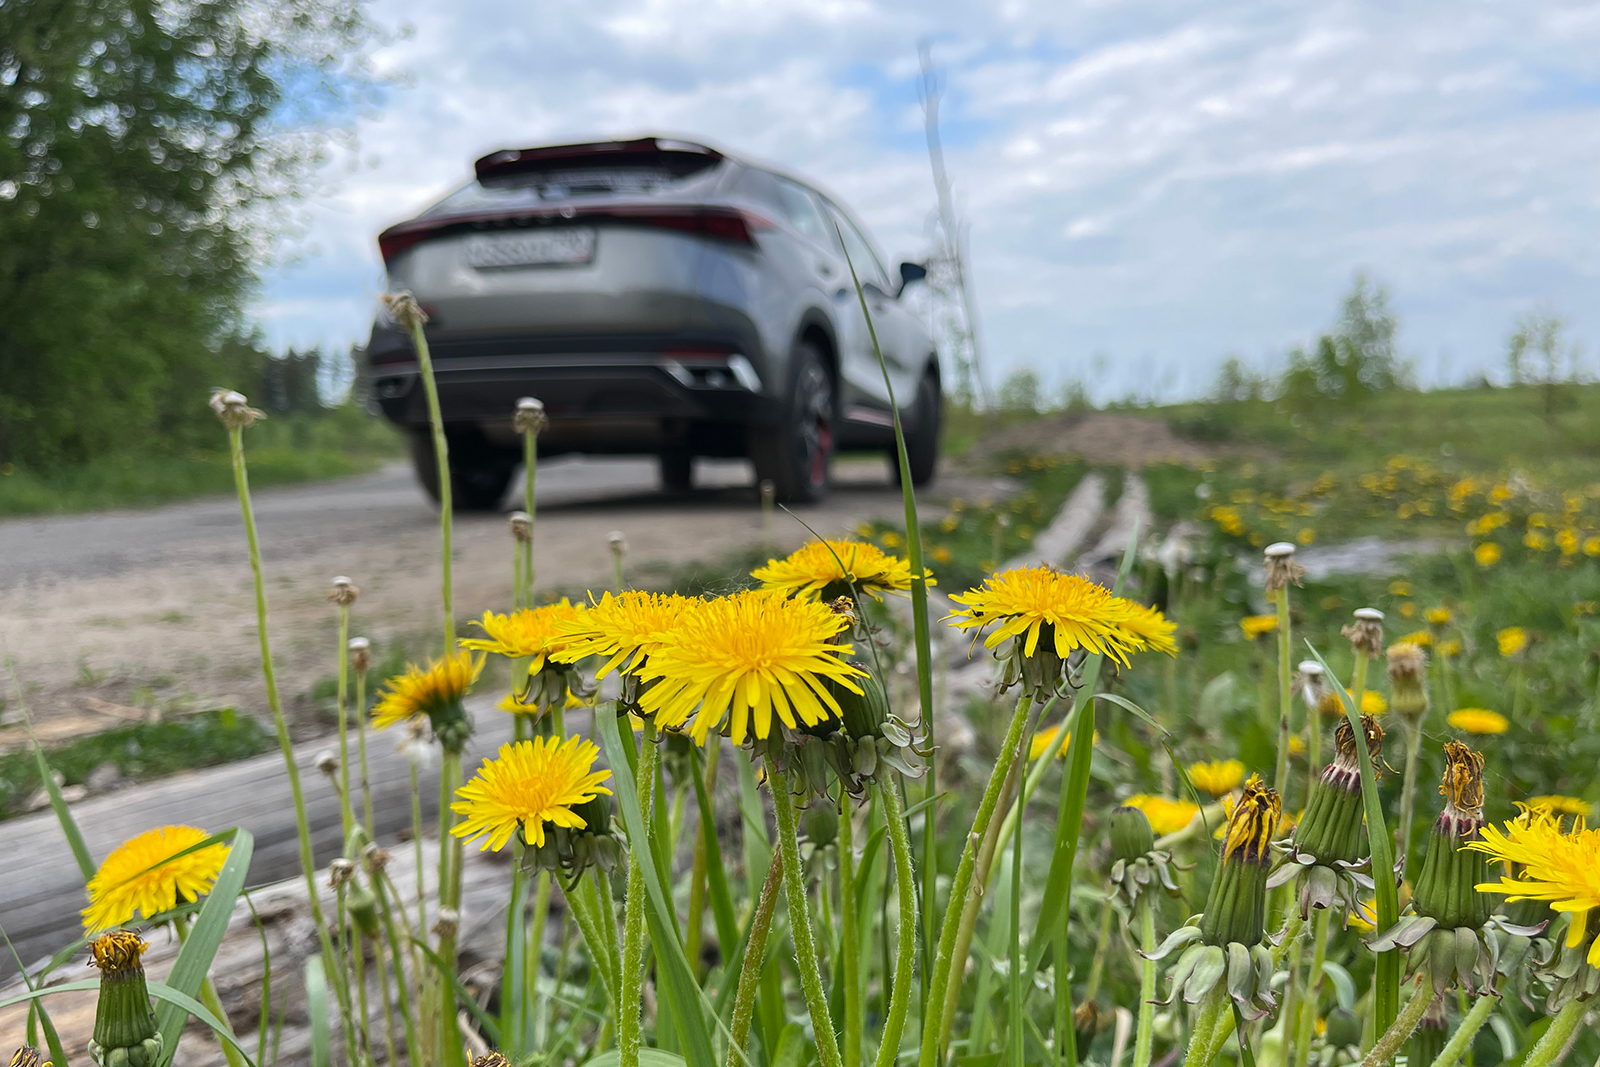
x: 147, y: 151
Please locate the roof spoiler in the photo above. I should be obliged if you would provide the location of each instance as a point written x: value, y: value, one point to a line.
x: 514, y: 160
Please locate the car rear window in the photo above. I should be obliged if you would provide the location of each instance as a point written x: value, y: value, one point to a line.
x: 569, y: 180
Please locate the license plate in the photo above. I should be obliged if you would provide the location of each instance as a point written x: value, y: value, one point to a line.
x: 562, y: 247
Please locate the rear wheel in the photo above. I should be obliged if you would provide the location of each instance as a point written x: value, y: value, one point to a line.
x: 922, y: 438
x: 479, y: 472
x: 796, y: 454
x: 677, y: 469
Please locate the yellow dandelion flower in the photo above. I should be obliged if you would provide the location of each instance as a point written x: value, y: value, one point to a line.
x: 1512, y: 639
x: 814, y: 567
x: 745, y: 658
x: 941, y: 555
x: 1167, y: 816
x: 1363, y: 916
x: 1555, y: 804
x: 1253, y: 822
x: 1420, y: 639
x: 426, y: 690
x: 1372, y: 703
x: 1399, y: 587
x: 1150, y: 627
x: 1255, y: 626
x: 1439, y: 616
x: 1044, y: 741
x: 1591, y: 546
x: 533, y: 633
x: 626, y: 627
x: 1408, y: 609
x: 1450, y: 649
x: 1306, y: 535
x: 527, y: 785
x: 1297, y: 745
x: 146, y: 876
x: 1071, y: 610
x: 1217, y: 777
x: 1561, y: 869
x: 1487, y: 554
x: 1478, y: 721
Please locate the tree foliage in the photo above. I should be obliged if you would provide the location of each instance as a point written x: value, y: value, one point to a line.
x: 141, y: 146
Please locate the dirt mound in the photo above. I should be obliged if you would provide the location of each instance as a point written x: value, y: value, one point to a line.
x: 1100, y: 437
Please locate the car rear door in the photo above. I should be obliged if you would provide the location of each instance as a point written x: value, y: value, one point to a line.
x: 888, y: 317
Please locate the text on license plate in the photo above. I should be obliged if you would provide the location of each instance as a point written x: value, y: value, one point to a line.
x: 556, y: 247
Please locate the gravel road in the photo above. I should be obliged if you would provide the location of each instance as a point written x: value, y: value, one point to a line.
x: 109, y: 612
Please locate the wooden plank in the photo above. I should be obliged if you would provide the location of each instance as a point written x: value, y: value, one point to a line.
x: 41, y: 911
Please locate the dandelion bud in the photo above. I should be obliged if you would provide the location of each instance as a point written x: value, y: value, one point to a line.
x: 1131, y: 836
x: 363, y: 906
x: 618, y: 543
x: 1281, y: 567
x: 1085, y: 1024
x: 490, y: 1059
x: 530, y: 416
x: 234, y: 410
x: 1366, y: 633
x: 328, y: 763
x: 125, y: 1033
x: 448, y: 922
x: 1328, y: 850
x: 344, y: 591
x: 1408, y: 677
x: 375, y: 857
x: 521, y: 527
x: 1444, y: 929
x: 1226, y: 946
x: 340, y: 872
x: 1344, y: 1030
x: 820, y: 825
x: 360, y: 653
x: 28, y: 1056
x: 405, y: 309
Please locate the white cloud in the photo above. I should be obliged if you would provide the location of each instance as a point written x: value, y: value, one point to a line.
x: 1162, y: 183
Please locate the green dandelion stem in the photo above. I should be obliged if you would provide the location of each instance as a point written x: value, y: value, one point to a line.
x: 1408, y: 793
x: 441, y: 455
x: 934, y: 1026
x: 1102, y: 946
x: 1209, y: 1019
x: 530, y: 470
x: 1280, y: 777
x: 347, y: 817
x: 1144, y: 1036
x: 797, y: 903
x: 744, y: 998
x: 1394, y: 1038
x: 1470, y: 1024
x: 631, y: 1001
x: 308, y: 866
x: 1553, y: 1044
x: 361, y: 739
x: 1305, y: 1024
x: 906, y: 935
x: 396, y: 963
x: 850, y: 958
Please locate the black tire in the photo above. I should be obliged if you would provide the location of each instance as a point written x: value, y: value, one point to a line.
x: 479, y: 472
x: 797, y: 454
x: 922, y: 436
x: 677, y: 469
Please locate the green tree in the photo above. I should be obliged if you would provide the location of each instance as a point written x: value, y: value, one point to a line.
x: 142, y: 144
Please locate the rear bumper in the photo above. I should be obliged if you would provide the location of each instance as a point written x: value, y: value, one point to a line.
x: 626, y: 396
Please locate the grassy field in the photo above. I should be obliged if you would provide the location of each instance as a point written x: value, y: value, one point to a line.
x: 343, y: 442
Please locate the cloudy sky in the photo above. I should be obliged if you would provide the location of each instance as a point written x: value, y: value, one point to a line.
x: 1150, y: 187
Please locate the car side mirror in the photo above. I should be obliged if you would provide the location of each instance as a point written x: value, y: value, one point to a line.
x: 911, y: 272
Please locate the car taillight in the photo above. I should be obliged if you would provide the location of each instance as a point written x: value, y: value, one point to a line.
x: 723, y: 224
x: 392, y: 242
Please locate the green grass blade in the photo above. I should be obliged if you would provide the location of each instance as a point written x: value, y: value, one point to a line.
x: 716, y: 877
x: 648, y: 1057
x: 204, y: 938
x: 317, y: 1008
x: 167, y: 995
x: 36, y: 1009
x: 682, y: 993
x: 35, y: 994
x: 1386, y: 965
x: 58, y: 804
